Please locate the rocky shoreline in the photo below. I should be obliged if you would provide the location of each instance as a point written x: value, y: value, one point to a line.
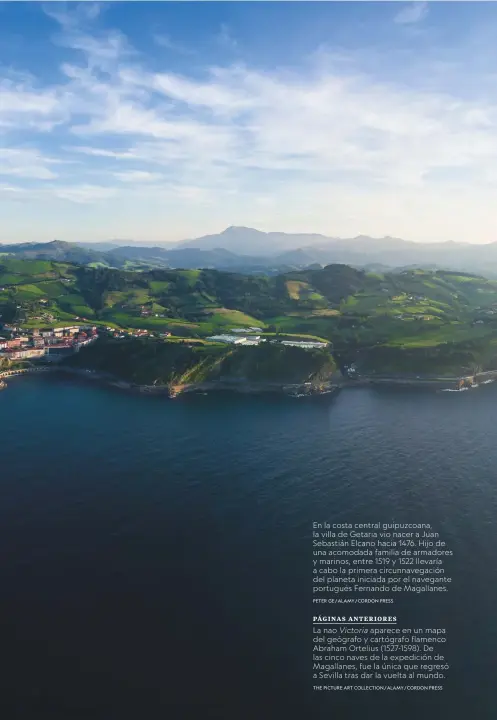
x: 174, y: 390
x: 245, y: 387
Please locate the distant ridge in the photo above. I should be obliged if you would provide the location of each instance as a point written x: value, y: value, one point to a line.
x: 244, y: 249
x: 248, y: 241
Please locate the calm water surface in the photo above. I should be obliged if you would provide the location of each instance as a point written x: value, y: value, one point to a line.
x: 155, y: 555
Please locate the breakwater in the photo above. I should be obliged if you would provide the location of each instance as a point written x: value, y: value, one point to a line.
x: 23, y: 371
x: 20, y: 371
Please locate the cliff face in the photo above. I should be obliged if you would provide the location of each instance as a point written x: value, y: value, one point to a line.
x: 155, y: 363
x: 264, y: 368
x: 274, y: 364
x: 448, y: 359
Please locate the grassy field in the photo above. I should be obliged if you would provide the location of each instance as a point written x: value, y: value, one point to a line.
x: 441, y: 334
x: 313, y: 326
x: 296, y: 288
x: 222, y: 317
x: 352, y: 309
x: 293, y: 336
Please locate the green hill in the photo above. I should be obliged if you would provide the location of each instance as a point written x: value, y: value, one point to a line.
x: 153, y: 362
x: 359, y: 312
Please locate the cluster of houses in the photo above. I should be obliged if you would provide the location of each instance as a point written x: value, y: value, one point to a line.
x: 19, y: 344
x: 147, y: 312
x: 136, y: 333
x: 412, y: 316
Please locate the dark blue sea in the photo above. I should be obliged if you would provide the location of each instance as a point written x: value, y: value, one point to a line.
x: 155, y: 555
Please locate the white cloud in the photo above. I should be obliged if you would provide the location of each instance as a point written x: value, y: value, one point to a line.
x: 99, y: 152
x: 11, y: 189
x: 25, y: 163
x: 102, y: 50
x: 213, y: 95
x: 24, y: 105
x: 225, y: 38
x: 325, y: 144
x: 192, y: 193
x: 412, y: 13
x: 164, y: 41
x: 84, y: 194
x: 137, y: 176
x: 73, y: 15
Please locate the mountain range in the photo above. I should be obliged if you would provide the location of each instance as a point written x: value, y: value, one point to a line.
x: 248, y: 250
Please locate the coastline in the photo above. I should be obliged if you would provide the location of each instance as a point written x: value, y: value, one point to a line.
x: 175, y: 390
x: 461, y: 382
x: 244, y: 387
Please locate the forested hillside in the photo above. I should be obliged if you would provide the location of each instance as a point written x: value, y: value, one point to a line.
x: 357, y: 311
x: 157, y: 363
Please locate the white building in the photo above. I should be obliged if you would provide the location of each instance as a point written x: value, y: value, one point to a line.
x: 306, y: 345
x: 27, y: 353
x: 235, y: 339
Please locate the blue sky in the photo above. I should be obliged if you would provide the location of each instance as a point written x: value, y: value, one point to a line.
x: 162, y: 121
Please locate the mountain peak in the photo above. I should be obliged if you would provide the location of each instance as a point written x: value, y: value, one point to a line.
x: 232, y: 229
x: 59, y: 244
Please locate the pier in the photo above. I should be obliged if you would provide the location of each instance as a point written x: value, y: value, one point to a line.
x: 20, y: 371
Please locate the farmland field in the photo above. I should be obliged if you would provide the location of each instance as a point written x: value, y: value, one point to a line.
x: 354, y: 310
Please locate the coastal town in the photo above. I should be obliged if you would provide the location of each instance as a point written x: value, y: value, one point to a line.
x: 53, y: 344
x: 50, y: 344
x: 40, y: 349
